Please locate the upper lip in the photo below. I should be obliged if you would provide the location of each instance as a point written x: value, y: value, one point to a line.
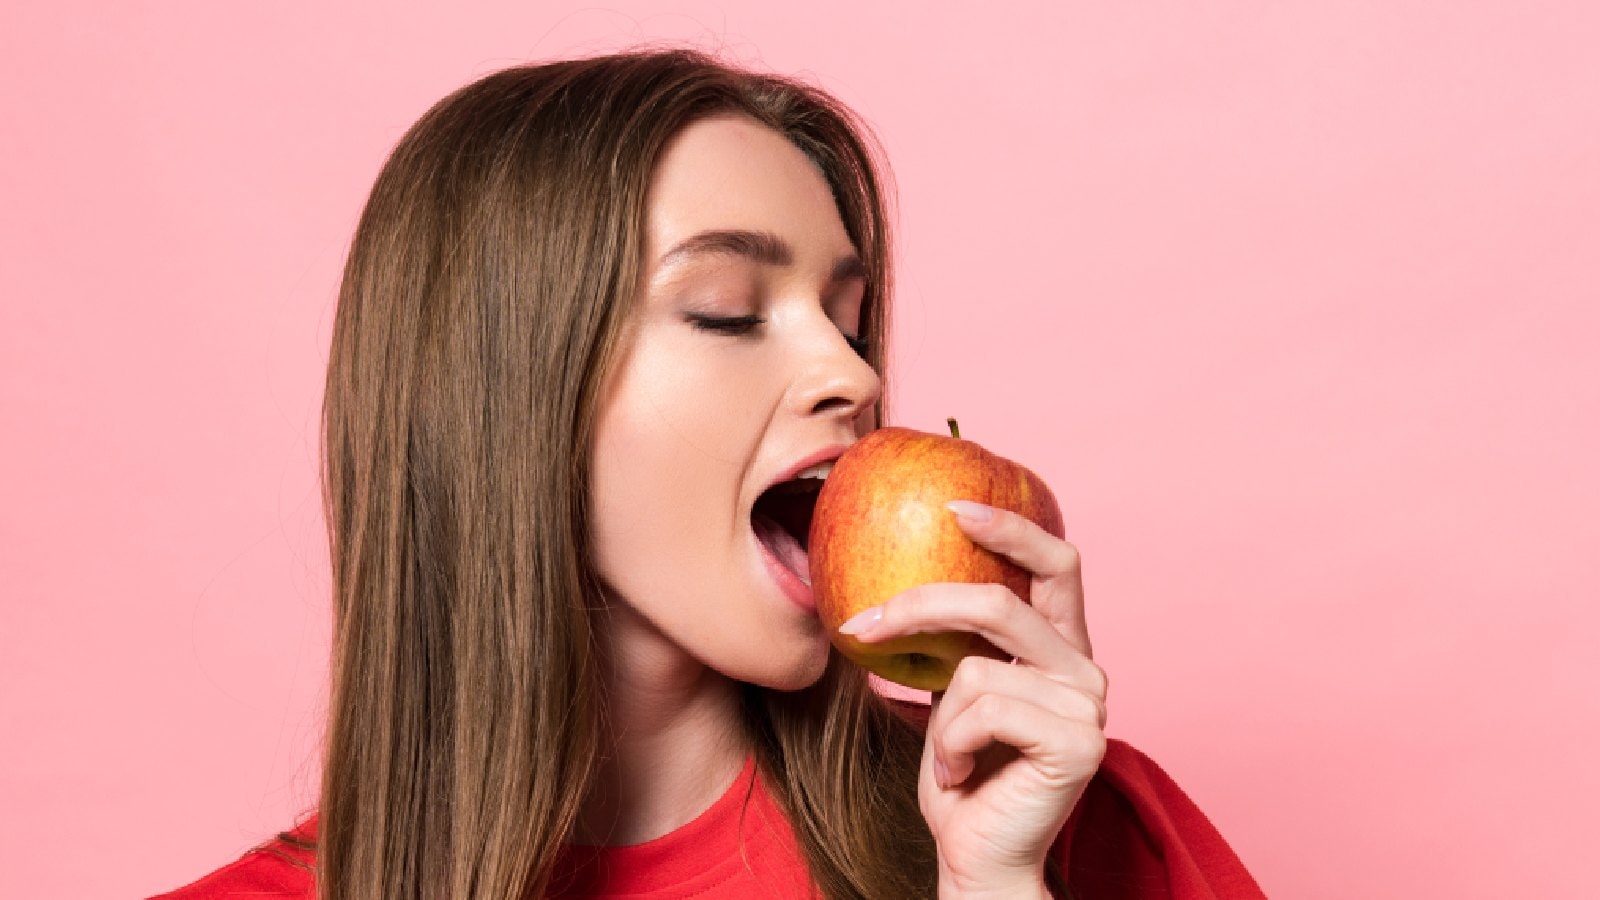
x: 826, y: 454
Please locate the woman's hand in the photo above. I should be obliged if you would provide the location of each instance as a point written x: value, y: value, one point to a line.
x: 1011, y: 746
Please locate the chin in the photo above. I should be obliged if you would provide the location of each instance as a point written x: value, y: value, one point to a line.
x: 797, y: 677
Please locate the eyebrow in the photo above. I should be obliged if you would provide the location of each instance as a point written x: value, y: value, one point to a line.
x: 759, y: 246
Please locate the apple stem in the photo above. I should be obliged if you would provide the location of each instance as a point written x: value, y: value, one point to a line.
x: 955, y: 430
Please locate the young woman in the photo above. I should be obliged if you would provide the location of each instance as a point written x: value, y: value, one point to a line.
x: 593, y: 309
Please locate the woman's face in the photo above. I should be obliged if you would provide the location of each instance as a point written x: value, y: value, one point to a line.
x: 696, y: 423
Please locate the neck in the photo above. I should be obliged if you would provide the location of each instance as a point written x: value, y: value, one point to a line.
x: 672, y: 744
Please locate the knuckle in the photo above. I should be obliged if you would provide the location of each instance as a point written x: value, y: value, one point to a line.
x: 1093, y: 742
x: 1065, y: 562
x: 1086, y: 743
x: 1071, y: 560
x: 1080, y: 705
x: 997, y: 603
x: 974, y: 674
x: 1100, y: 681
x: 1095, y: 709
x: 987, y: 711
x: 963, y: 678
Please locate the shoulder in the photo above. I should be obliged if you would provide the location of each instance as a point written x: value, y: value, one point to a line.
x: 280, y: 867
x: 1135, y: 829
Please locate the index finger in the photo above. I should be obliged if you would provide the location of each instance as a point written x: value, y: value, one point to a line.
x: 1056, y: 590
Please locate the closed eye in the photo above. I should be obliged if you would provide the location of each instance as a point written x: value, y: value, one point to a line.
x: 743, y: 325
x: 728, y: 325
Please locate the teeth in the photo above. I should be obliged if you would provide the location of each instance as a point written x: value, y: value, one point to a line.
x: 807, y: 482
x: 819, y: 471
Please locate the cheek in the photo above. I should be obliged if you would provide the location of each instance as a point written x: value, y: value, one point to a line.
x: 672, y: 449
x: 696, y: 412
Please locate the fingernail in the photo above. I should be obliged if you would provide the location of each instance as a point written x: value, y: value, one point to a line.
x: 966, y: 509
x: 941, y: 772
x: 862, y: 621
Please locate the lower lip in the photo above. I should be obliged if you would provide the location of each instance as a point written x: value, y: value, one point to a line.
x: 792, y: 586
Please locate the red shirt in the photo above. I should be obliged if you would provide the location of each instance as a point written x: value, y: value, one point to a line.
x: 1133, y: 834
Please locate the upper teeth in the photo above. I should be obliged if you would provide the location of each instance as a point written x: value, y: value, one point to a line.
x: 820, y: 470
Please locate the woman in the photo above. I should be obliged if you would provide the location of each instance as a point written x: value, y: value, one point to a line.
x: 593, y: 309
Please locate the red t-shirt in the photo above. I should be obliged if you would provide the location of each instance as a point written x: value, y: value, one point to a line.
x: 1133, y: 834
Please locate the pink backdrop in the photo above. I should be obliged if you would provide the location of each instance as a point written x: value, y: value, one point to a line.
x: 1294, y: 305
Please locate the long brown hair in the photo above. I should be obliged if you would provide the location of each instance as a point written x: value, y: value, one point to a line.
x: 490, y: 276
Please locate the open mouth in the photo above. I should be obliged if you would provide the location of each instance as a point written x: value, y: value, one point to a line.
x: 781, y: 518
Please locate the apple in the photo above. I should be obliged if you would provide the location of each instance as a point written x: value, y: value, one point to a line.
x: 880, y: 527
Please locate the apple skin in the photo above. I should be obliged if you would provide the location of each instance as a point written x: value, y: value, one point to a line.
x: 881, y: 527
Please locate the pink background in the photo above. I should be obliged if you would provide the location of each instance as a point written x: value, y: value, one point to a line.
x: 1294, y: 304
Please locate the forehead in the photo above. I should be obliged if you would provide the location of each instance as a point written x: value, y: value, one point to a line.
x: 731, y: 172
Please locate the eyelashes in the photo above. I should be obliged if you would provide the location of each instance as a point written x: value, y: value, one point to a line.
x: 742, y: 325
x: 726, y: 325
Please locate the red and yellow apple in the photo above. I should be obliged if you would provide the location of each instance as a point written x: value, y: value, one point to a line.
x: 881, y: 527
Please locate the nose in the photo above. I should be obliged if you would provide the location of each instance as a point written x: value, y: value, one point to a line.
x: 837, y: 382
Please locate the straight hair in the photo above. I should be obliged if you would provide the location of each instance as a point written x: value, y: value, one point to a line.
x: 489, y: 280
